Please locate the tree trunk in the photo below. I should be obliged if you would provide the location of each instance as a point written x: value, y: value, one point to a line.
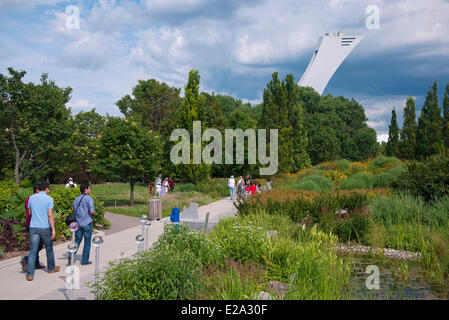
x: 131, y: 198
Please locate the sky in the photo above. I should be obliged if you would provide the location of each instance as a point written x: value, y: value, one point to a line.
x: 235, y: 45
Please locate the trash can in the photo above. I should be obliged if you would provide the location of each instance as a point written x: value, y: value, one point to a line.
x: 174, y: 217
x: 154, y: 209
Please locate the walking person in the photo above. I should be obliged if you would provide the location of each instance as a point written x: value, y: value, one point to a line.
x: 166, y: 184
x: 42, y: 226
x: 158, y: 185
x: 150, y: 188
x: 231, y: 185
x: 171, y: 184
x: 247, y: 181
x: 24, y: 259
x: 83, y: 207
x: 240, y: 187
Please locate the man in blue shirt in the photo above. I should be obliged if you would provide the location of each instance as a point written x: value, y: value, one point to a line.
x: 83, y: 207
x: 42, y: 226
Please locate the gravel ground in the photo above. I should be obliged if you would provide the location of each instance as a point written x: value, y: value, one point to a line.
x: 388, y: 253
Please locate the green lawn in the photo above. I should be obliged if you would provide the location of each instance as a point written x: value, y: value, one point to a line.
x: 116, y: 198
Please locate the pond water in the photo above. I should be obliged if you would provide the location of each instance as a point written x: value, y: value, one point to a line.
x: 397, y: 281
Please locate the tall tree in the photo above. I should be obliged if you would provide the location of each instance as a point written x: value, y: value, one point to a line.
x: 127, y: 151
x: 190, y: 111
x: 446, y: 117
x: 300, y: 155
x: 430, y: 136
x: 153, y: 104
x: 36, y: 120
x: 80, y: 151
x: 275, y: 116
x: 407, y: 143
x: 393, y: 135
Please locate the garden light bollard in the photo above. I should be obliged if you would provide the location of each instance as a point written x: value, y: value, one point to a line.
x: 72, y: 247
x: 147, y: 227
x: 207, y: 221
x: 143, y: 219
x: 97, y: 242
x: 139, y: 240
x: 73, y: 227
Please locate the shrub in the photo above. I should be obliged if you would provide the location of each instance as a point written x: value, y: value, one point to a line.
x: 63, y: 206
x: 170, y: 270
x: 12, y: 234
x: 342, y: 164
x: 428, y: 178
x: 388, y: 178
x: 382, y: 163
x: 188, y: 187
x: 243, y: 242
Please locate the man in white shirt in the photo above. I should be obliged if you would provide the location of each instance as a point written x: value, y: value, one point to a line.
x: 231, y: 185
x: 70, y: 184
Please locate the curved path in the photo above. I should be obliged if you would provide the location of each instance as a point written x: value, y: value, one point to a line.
x: 119, y: 242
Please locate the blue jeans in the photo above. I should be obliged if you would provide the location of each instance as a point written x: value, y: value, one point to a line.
x: 36, y: 234
x: 232, y: 192
x: 85, y: 232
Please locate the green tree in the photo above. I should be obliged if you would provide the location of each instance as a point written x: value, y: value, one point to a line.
x: 153, y: 104
x: 393, y: 135
x: 299, y: 139
x: 446, y: 117
x: 127, y: 151
x: 191, y: 111
x: 407, y: 143
x: 275, y: 116
x: 36, y: 121
x: 429, y: 139
x: 80, y: 151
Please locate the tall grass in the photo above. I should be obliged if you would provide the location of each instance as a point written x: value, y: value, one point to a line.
x: 314, y: 182
x: 359, y: 180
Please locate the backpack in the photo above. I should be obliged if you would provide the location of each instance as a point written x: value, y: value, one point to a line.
x: 71, y: 217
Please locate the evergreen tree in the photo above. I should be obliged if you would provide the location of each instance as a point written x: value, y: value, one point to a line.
x: 275, y: 116
x: 393, y: 135
x: 191, y: 110
x: 430, y: 136
x: 301, y: 157
x: 446, y: 117
x: 407, y: 143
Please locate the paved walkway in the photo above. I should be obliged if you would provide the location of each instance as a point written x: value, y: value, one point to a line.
x: 118, y: 243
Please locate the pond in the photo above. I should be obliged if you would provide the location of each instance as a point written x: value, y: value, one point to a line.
x: 397, y: 281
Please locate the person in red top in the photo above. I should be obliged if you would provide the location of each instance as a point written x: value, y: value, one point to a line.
x: 24, y: 259
x: 171, y: 184
x: 253, y: 189
x: 150, y: 188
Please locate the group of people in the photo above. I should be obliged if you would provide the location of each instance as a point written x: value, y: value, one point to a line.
x: 244, y: 187
x: 162, y: 187
x: 40, y: 225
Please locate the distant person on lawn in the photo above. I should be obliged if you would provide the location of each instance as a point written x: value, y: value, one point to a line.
x: 158, y: 185
x: 83, y: 207
x: 150, y: 188
x: 42, y: 226
x: 171, y: 183
x: 231, y: 186
x: 23, y: 261
x: 70, y: 184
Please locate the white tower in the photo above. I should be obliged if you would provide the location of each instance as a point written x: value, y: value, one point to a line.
x: 327, y: 58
